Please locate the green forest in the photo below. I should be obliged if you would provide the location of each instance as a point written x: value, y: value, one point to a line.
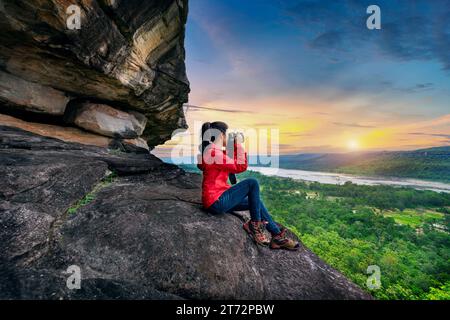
x: 401, y: 230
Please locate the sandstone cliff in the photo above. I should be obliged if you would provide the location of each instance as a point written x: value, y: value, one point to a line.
x: 126, y: 56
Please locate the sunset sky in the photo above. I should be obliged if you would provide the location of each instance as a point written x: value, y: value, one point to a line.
x: 314, y: 71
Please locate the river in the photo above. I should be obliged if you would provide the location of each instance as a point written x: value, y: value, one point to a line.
x: 338, y: 178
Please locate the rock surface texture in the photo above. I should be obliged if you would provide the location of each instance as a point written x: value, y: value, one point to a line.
x: 107, y: 121
x: 127, y: 54
x: 139, y: 234
x: 72, y: 134
x: 31, y: 96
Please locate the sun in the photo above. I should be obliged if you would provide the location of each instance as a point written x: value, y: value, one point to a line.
x: 353, y: 145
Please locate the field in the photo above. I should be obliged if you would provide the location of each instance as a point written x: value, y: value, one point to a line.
x: 415, y: 218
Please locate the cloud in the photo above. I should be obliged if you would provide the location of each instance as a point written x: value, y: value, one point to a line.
x: 429, y: 124
x: 424, y: 85
x: 321, y: 64
x: 221, y: 28
x: 441, y: 135
x: 190, y: 107
x: 321, y: 113
x: 296, y: 134
x: 416, y: 30
x: 266, y: 124
x: 326, y: 40
x: 352, y: 125
x: 287, y: 148
x: 419, y: 87
x: 285, y: 145
x: 320, y: 148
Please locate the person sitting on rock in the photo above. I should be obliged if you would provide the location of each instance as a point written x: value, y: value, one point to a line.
x: 218, y: 196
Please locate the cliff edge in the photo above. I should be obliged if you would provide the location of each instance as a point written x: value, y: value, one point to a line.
x: 136, y: 233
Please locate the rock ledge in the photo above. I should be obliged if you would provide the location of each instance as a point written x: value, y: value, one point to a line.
x: 141, y: 234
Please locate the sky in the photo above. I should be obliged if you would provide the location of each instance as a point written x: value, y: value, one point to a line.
x: 314, y: 71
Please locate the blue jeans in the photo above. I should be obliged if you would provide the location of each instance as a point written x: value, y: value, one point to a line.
x: 245, y: 196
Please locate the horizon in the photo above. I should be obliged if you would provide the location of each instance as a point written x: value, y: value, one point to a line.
x: 316, y: 73
x: 319, y: 153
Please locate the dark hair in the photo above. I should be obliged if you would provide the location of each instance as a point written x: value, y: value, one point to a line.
x: 210, y: 137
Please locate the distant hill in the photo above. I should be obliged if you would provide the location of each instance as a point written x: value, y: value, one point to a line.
x: 426, y: 164
x: 430, y: 164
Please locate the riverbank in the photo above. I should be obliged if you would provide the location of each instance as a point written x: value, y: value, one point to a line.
x: 339, y: 179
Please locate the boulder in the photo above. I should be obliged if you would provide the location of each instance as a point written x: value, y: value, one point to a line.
x: 137, y: 143
x: 107, y: 121
x: 126, y: 53
x: 72, y: 134
x: 68, y: 134
x: 31, y: 96
x: 141, y: 234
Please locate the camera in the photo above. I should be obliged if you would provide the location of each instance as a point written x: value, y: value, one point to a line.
x: 236, y: 137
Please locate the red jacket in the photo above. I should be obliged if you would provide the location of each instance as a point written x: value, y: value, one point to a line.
x: 216, y: 166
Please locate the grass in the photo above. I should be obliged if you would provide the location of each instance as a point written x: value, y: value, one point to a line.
x: 88, y: 198
x: 414, y: 217
x: 116, y: 152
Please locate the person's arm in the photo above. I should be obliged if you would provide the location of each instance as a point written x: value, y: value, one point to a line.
x: 237, y: 165
x: 241, y: 158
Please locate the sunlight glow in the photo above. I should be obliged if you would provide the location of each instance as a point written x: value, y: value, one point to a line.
x: 353, y: 145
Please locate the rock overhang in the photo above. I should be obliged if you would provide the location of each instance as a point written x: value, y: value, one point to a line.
x: 128, y: 55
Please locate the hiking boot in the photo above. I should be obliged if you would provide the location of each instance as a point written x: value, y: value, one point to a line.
x: 256, y: 231
x: 281, y: 241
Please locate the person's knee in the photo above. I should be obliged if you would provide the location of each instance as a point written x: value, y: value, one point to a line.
x: 253, y: 183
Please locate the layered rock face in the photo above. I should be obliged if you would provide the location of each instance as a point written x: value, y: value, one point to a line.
x: 127, y: 58
x: 139, y: 234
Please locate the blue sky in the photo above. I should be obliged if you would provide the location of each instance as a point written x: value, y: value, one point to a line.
x: 313, y: 69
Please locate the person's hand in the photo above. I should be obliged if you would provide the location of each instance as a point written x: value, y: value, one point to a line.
x: 239, y: 141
